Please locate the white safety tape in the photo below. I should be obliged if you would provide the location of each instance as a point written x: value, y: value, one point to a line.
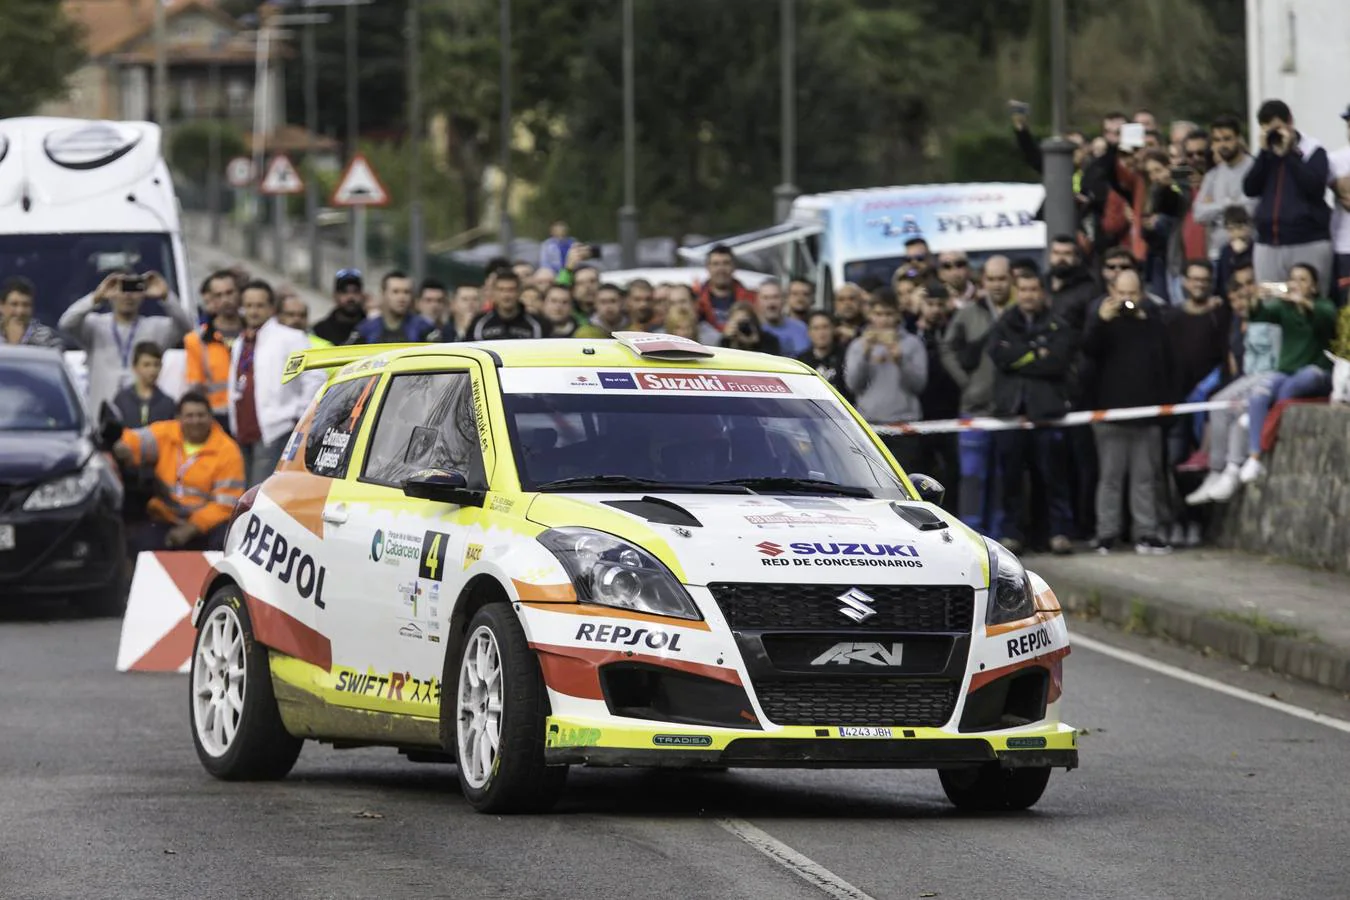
x: 1087, y: 417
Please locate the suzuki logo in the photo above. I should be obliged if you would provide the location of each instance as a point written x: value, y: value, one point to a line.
x: 769, y: 548
x: 873, y: 654
x: 857, y: 605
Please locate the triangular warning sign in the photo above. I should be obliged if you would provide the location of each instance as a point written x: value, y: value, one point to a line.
x: 360, y: 186
x: 281, y: 177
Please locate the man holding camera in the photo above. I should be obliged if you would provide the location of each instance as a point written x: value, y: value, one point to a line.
x: 1289, y: 178
x: 108, y: 323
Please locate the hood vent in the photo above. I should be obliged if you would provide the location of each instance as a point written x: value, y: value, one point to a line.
x: 920, y: 517
x: 658, y: 510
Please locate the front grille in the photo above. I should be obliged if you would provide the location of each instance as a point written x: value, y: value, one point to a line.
x: 898, y: 702
x: 816, y: 607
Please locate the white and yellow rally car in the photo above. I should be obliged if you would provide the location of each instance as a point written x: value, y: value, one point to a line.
x: 522, y: 556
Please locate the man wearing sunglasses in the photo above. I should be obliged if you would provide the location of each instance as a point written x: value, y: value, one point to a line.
x: 954, y: 272
x: 349, y: 300
x: 918, y: 259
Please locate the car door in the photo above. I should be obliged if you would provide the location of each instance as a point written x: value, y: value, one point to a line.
x: 403, y: 557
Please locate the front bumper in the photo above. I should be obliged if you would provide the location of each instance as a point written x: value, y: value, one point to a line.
x: 63, y: 551
x: 600, y: 743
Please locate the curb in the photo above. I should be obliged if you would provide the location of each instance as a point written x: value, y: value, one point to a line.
x: 1306, y: 659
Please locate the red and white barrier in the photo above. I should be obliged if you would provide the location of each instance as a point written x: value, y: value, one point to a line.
x: 156, y: 633
x: 1087, y: 417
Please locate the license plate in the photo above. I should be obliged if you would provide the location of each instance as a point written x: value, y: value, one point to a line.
x: 7, y: 537
x: 846, y: 732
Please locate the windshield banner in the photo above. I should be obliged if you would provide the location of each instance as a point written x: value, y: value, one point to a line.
x: 683, y: 382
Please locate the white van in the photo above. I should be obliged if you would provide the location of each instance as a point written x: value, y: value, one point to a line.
x: 851, y: 236
x: 79, y: 198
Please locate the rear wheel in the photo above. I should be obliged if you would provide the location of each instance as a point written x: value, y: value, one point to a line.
x: 235, y: 723
x: 500, y: 708
x: 992, y: 788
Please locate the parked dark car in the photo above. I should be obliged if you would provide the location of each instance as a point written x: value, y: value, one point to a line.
x: 61, y: 533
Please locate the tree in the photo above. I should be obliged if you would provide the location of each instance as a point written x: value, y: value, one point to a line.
x: 42, y: 48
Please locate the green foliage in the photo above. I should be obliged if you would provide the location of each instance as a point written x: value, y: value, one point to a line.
x: 41, y: 50
x: 986, y: 155
x: 190, y: 147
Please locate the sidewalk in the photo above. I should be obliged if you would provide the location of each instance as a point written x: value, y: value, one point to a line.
x: 1265, y: 613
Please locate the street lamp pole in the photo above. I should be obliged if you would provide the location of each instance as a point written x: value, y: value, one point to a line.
x: 162, y: 77
x: 1057, y: 152
x: 628, y: 214
x: 311, y: 126
x: 357, y: 234
x: 416, y: 238
x: 504, y: 231
x: 787, y: 191
x: 213, y: 151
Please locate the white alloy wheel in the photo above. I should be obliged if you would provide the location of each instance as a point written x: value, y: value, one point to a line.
x: 481, y: 702
x: 218, y: 680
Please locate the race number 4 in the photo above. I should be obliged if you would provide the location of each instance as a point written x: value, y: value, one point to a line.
x: 432, y: 564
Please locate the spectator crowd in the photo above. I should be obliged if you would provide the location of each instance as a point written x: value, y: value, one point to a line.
x: 1201, y: 268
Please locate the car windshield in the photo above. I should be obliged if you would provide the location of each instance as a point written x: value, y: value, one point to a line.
x: 35, y: 395
x: 65, y: 267
x: 769, y: 443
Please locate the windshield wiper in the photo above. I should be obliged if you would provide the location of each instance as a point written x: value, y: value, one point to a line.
x: 785, y: 485
x: 622, y: 482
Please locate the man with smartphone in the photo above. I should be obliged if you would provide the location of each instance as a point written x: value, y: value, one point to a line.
x: 1289, y: 178
x: 108, y: 323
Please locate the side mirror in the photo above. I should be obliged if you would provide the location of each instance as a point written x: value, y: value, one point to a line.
x: 929, y: 488
x: 443, y: 487
x: 109, y: 427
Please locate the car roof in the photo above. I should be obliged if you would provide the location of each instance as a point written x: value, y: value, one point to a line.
x: 586, y: 353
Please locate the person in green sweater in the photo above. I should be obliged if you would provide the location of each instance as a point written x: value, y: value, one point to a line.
x: 1307, y: 325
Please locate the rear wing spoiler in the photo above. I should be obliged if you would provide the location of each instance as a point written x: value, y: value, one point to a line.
x: 334, y: 357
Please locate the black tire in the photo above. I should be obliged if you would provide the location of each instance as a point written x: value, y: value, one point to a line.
x: 992, y: 788
x: 519, y: 781
x: 261, y: 748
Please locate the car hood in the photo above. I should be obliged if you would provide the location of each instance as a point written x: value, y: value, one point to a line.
x: 28, y: 456
x: 719, y: 538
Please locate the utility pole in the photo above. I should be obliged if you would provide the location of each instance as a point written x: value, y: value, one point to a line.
x: 628, y: 214
x: 1060, y: 215
x: 787, y: 190
x: 311, y: 126
x: 213, y: 162
x: 162, y: 77
x: 504, y: 231
x: 357, y: 232
x: 416, y: 237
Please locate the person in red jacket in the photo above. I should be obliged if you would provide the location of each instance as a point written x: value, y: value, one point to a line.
x: 722, y: 290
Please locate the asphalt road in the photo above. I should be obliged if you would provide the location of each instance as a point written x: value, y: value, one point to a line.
x: 1183, y: 792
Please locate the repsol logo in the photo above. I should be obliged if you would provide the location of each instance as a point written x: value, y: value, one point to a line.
x: 1029, y: 643
x: 268, y: 549
x: 624, y: 636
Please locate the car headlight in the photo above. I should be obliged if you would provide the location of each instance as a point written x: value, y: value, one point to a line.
x: 1010, y: 594
x: 68, y: 490
x: 612, y: 572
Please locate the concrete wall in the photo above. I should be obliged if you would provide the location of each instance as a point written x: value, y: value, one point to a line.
x: 1301, y: 510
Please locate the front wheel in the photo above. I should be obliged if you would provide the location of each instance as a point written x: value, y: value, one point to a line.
x: 500, y: 708
x: 235, y: 723
x: 992, y: 788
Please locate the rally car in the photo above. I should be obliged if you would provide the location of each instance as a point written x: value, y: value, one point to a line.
x: 522, y: 556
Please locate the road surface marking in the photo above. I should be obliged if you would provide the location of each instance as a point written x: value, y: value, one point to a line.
x: 803, y: 867
x: 1145, y: 662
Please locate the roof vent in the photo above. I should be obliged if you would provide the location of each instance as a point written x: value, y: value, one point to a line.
x: 662, y: 346
x: 90, y: 145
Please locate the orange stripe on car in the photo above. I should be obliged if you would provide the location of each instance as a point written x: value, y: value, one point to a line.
x: 282, y: 631
x: 1040, y: 618
x: 1052, y: 661
x: 544, y: 593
